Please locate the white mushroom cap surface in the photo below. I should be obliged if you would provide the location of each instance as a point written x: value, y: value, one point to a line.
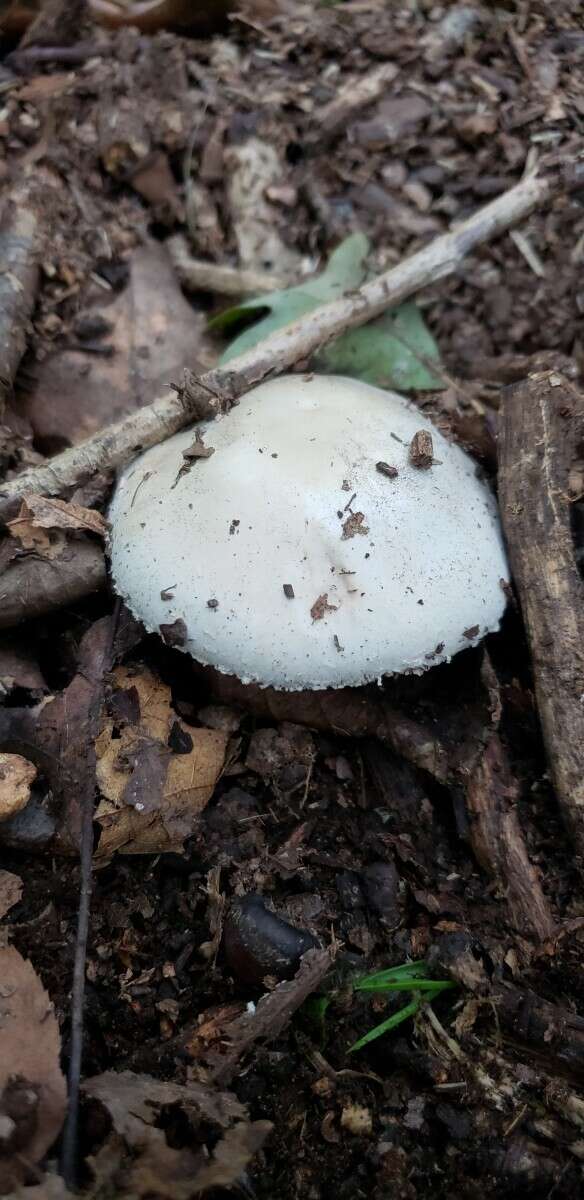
x: 388, y: 575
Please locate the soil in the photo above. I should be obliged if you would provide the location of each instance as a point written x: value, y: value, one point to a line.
x: 370, y: 852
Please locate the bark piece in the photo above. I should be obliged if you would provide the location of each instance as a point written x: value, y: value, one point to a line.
x: 217, y: 389
x: 542, y: 433
x: 498, y: 842
x: 272, y: 1014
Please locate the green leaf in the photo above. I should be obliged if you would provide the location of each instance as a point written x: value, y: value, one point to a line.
x: 345, y: 269
x: 395, y: 351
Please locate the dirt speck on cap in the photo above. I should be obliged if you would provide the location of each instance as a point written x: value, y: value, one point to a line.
x: 354, y: 524
x: 321, y: 606
x: 421, y: 450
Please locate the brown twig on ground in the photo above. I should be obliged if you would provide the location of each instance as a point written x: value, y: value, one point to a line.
x: 219, y: 388
x: 106, y: 631
x: 542, y: 433
x: 197, y: 275
x: 21, y: 237
x: 356, y: 94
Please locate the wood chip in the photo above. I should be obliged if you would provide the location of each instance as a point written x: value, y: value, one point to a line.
x: 421, y: 450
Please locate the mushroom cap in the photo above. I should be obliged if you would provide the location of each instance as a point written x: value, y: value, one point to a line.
x: 383, y: 575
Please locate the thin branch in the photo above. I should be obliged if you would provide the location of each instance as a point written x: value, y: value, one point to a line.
x: 217, y: 389
x: 69, y: 1152
x: 199, y: 276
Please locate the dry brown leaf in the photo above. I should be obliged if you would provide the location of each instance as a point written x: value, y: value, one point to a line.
x: 16, y: 777
x: 10, y: 891
x: 30, y: 1074
x: 133, y: 1103
x: 155, y: 330
x: 152, y: 793
x: 40, y: 517
x: 19, y: 668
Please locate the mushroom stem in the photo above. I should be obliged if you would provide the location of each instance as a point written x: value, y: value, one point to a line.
x: 217, y: 389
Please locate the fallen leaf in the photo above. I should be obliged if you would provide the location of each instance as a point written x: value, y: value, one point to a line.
x: 134, y: 1104
x: 10, y: 891
x: 152, y: 793
x: 16, y: 777
x: 232, y: 1155
x: 395, y: 351
x: 31, y: 1080
x: 40, y: 513
x: 76, y: 393
x: 19, y: 668
x: 63, y: 732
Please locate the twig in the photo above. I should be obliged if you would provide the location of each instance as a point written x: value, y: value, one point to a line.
x: 198, y: 276
x: 356, y: 94
x: 217, y: 389
x: 498, y: 842
x: 20, y: 245
x: 69, y: 1152
x: 542, y: 430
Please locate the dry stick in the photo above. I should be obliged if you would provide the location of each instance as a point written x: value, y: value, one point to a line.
x: 20, y: 246
x: 542, y: 432
x: 69, y: 1151
x: 199, y: 276
x: 217, y: 389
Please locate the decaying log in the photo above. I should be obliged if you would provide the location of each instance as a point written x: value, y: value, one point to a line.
x: 21, y: 237
x: 542, y: 435
x: 219, y: 388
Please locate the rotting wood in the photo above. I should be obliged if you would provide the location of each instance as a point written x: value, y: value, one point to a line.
x: 542, y: 434
x: 21, y: 237
x: 219, y: 388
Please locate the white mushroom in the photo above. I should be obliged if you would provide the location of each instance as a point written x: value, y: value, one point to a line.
x: 294, y: 556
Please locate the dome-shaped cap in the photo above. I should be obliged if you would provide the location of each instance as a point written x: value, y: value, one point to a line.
x: 301, y: 544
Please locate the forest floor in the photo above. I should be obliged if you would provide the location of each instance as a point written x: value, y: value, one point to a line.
x: 125, y: 140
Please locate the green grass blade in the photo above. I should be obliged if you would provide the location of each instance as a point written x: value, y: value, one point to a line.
x: 403, y: 1014
x: 412, y: 970
x: 409, y: 985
